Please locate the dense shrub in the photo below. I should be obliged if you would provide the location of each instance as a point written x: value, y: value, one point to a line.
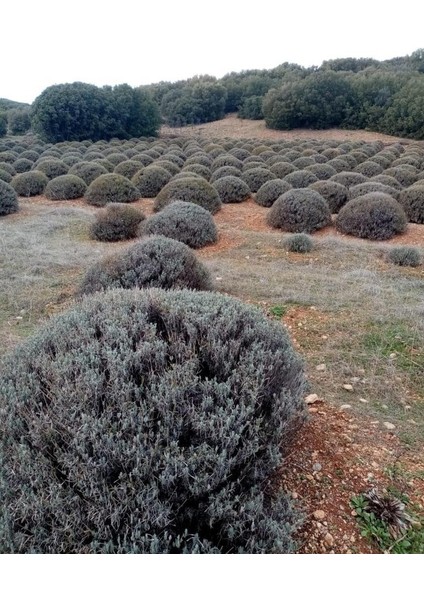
x: 115, y: 157
x: 116, y: 222
x: 8, y: 199
x: 183, y: 221
x: 65, y: 187
x: 321, y: 171
x: 318, y: 158
x: 51, y: 167
x: 240, y: 153
x: 408, y: 160
x: 8, y: 156
x: 300, y: 179
x: 255, y: 178
x: 143, y: 158
x: 299, y: 242
x: 174, y: 159
x: 303, y: 161
x: 404, y: 256
x: 334, y: 193
x: 103, y: 162
x: 189, y: 189
x: 372, y: 186
x: 412, y: 201
x: 31, y: 183
x: 290, y: 155
x: 199, y: 158
x: 254, y: 159
x: 186, y: 175
x: 198, y: 170
x: 88, y: 171
x: 387, y: 180
x: 350, y: 160
x: 403, y: 175
x: 22, y: 165
x: 369, y: 168
x: 71, y: 159
x: 156, y: 261
x: 300, y: 210
x: 268, y: 193
x: 111, y: 188
x: 166, y: 419
x: 338, y: 164
x: 31, y: 155
x: 349, y: 178
x: 226, y: 160
x: 375, y: 216
x: 281, y: 169
x: 150, y: 180
x: 232, y: 189
x: 5, y: 176
x: 92, y: 155
x: 249, y: 166
x: 127, y: 168
x: 225, y: 172
x: 167, y: 165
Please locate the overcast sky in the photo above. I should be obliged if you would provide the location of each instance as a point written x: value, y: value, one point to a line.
x: 45, y: 42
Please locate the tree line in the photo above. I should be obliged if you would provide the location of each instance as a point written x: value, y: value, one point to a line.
x: 355, y: 93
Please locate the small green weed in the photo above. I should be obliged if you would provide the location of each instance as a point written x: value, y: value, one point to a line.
x: 411, y: 541
x: 278, y: 311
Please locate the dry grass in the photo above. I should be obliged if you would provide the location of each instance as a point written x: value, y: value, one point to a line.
x: 355, y: 316
x: 346, y: 306
x: 233, y: 127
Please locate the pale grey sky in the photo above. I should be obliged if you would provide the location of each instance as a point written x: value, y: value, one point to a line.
x: 45, y: 42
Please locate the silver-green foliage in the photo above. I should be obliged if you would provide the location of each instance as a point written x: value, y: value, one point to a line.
x: 116, y: 222
x: 29, y: 184
x: 150, y: 180
x: 111, y: 187
x: 232, y: 189
x: 412, y: 201
x: 183, y: 221
x: 300, y: 210
x: 65, y: 187
x: 88, y: 171
x: 299, y: 242
x: 189, y: 189
x: 149, y: 422
x: 156, y: 261
x: 268, y: 193
x: 374, y: 216
x: 405, y: 256
x: 8, y: 199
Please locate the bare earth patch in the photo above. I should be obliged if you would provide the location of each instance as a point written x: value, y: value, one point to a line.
x: 233, y: 127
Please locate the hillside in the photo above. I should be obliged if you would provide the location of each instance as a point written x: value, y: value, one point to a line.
x: 233, y: 127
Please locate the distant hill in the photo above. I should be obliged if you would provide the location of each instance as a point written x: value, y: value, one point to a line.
x: 6, y: 104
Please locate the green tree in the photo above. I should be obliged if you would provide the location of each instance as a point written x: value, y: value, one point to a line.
x: 3, y: 124
x: 405, y: 115
x: 200, y: 101
x: 19, y: 121
x: 78, y: 111
x: 374, y: 90
x: 251, y: 108
x: 321, y: 100
x: 349, y: 64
